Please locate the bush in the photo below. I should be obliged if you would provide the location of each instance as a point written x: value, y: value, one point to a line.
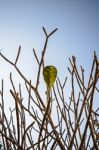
x: 59, y: 124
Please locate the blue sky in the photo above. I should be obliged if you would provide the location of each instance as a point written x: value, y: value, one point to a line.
x: 78, y: 23
x: 21, y: 23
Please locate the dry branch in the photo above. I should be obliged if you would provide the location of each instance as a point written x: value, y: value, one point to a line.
x: 76, y: 124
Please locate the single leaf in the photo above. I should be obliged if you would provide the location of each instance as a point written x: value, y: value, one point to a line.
x: 49, y: 74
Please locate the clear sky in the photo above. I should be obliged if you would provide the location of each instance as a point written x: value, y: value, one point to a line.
x: 21, y: 23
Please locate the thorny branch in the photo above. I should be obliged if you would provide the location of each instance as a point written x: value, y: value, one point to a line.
x: 76, y: 125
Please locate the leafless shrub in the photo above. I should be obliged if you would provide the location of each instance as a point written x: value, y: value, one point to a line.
x: 76, y: 124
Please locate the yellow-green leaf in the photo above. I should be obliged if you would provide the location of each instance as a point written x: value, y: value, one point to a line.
x: 49, y: 74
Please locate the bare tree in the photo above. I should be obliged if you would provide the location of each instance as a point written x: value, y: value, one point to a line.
x: 76, y: 124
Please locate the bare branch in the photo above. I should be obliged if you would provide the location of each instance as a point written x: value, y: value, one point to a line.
x: 17, y: 57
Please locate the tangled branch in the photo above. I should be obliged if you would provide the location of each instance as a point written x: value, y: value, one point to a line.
x: 76, y: 125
